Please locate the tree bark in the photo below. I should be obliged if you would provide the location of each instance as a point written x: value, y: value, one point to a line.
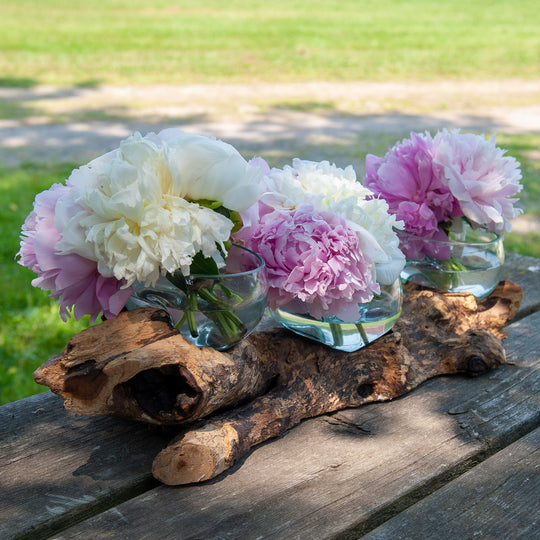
x: 137, y: 366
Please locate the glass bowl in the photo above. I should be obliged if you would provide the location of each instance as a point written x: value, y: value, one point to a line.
x: 468, y: 261
x: 215, y: 311
x: 377, y: 317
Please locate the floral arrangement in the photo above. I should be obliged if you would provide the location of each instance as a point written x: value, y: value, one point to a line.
x: 168, y: 205
x: 432, y: 184
x: 158, y: 205
x: 327, y: 242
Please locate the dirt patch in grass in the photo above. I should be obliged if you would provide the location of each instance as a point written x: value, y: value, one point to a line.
x: 325, y: 120
x: 339, y: 122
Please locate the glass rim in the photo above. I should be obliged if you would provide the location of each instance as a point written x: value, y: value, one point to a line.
x: 261, y: 266
x: 497, y: 237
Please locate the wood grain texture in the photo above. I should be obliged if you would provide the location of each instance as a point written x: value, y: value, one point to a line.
x: 57, y: 468
x: 438, y: 333
x: 355, y: 468
x: 138, y: 366
x: 524, y: 271
x: 282, y: 378
x: 497, y: 499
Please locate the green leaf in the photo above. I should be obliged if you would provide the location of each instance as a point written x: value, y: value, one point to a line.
x: 223, y: 211
x: 203, y: 265
x: 237, y: 221
x: 178, y: 280
x: 208, y: 203
x: 200, y: 265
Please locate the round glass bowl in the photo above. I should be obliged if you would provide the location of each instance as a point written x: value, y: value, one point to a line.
x: 377, y: 317
x: 215, y: 311
x: 469, y: 261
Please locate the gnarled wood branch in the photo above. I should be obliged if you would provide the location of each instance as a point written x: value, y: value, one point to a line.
x: 137, y: 366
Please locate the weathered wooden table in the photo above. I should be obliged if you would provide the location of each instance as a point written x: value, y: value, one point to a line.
x: 455, y: 458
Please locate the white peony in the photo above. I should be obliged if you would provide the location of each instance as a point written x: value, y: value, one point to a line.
x: 333, y: 189
x: 139, y: 217
x: 202, y: 167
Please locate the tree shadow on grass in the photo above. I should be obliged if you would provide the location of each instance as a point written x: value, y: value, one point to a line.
x: 17, y: 82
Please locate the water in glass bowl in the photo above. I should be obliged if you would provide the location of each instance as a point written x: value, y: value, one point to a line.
x: 477, y: 275
x: 377, y: 317
x: 468, y: 260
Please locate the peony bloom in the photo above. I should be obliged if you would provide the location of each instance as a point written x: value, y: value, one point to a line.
x: 332, y: 189
x: 146, y: 209
x: 314, y: 260
x: 141, y: 211
x: 405, y: 178
x: 205, y: 168
x: 71, y: 278
x: 480, y: 177
x: 429, y: 181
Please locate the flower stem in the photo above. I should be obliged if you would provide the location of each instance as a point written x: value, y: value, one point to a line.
x: 211, y: 298
x: 446, y: 274
x: 189, y: 314
x: 229, y: 324
x: 362, y: 332
x: 337, y: 334
x: 219, y: 311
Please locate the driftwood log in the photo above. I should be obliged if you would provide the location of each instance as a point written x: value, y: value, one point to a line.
x: 138, y: 366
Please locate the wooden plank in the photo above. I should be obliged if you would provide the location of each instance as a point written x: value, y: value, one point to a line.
x: 57, y: 468
x: 496, y: 499
x: 524, y: 271
x: 355, y: 468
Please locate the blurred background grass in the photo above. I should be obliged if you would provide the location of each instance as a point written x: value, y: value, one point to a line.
x: 72, y: 43
x: 140, y: 42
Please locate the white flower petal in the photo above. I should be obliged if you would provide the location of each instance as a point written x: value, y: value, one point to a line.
x: 330, y: 188
x: 133, y: 210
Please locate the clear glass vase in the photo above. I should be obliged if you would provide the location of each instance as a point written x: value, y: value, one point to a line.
x: 377, y: 317
x: 217, y: 311
x: 469, y: 261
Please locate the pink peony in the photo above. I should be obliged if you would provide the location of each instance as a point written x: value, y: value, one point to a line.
x: 260, y: 163
x: 480, y: 177
x: 406, y: 179
x: 428, y: 182
x: 73, y: 279
x: 313, y: 260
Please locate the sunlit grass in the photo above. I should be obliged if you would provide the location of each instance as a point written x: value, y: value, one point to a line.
x: 28, y: 337
x: 526, y: 149
x: 31, y: 330
x: 188, y: 41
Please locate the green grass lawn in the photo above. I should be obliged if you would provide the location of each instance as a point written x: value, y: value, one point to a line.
x: 186, y: 41
x: 31, y: 330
